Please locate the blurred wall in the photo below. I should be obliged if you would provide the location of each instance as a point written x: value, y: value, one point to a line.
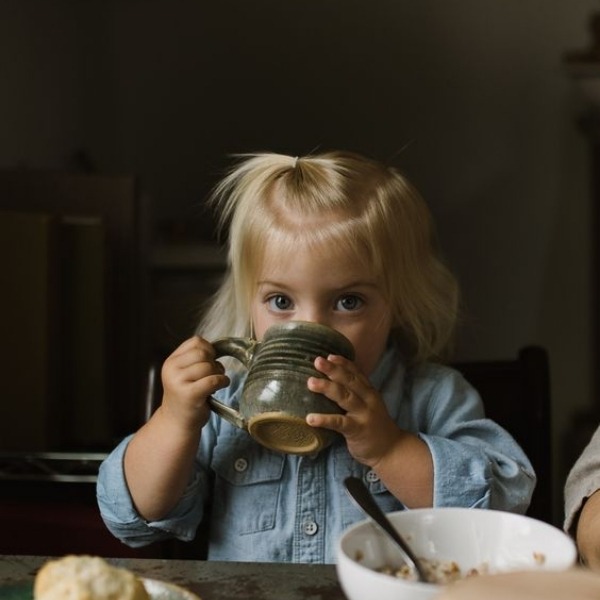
x: 469, y: 98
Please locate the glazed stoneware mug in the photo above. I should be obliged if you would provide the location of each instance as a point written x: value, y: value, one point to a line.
x: 275, y: 398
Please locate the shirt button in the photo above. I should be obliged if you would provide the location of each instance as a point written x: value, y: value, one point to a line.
x: 240, y: 465
x: 371, y: 476
x: 310, y: 528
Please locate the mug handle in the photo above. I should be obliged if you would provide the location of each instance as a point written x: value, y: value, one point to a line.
x: 243, y: 350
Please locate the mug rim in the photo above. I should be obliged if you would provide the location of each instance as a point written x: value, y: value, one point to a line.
x: 311, y: 326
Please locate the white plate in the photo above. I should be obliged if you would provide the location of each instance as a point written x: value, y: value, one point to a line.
x: 160, y: 590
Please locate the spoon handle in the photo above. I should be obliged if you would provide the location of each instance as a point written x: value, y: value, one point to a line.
x: 362, y: 496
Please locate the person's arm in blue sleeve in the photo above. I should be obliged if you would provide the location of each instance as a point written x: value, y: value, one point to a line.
x: 124, y: 521
x: 477, y: 463
x: 153, y: 480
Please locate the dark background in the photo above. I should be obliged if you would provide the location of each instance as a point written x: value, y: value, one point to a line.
x: 471, y: 99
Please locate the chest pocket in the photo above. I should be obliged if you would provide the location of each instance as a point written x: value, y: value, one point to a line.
x: 345, y: 466
x: 247, y: 485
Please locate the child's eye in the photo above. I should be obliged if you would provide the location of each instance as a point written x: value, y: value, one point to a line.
x: 279, y: 302
x: 349, y: 302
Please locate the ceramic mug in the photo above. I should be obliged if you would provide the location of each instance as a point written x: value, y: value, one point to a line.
x: 275, y: 398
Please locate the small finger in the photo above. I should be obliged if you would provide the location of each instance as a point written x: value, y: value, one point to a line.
x: 341, y: 370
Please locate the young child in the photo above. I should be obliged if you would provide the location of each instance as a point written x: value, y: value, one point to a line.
x: 338, y: 239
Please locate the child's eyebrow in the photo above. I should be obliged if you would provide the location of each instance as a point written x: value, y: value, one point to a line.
x: 357, y: 284
x: 343, y: 286
x: 271, y: 283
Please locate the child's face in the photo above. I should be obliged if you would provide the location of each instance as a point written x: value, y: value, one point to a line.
x: 334, y: 290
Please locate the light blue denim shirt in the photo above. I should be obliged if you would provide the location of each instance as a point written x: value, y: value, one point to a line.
x: 268, y: 506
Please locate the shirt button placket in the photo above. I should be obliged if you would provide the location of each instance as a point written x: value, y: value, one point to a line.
x: 309, y: 539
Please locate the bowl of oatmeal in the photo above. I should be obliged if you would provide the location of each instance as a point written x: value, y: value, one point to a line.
x: 453, y: 544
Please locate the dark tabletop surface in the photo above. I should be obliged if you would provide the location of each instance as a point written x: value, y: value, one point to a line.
x: 210, y: 580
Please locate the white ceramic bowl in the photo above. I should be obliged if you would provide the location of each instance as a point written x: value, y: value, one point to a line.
x: 489, y: 540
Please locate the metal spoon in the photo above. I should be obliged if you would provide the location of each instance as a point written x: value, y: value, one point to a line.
x: 361, y: 495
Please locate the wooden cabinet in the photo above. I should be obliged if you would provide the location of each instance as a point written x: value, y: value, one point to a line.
x: 73, y: 309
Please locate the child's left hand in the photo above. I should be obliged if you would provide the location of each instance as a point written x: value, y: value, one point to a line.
x: 369, y: 430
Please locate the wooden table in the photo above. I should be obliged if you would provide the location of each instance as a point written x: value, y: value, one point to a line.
x: 211, y: 580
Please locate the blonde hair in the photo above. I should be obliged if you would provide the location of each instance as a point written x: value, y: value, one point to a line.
x: 379, y: 217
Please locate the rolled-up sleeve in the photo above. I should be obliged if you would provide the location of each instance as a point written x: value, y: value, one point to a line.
x: 476, y: 462
x: 125, y: 523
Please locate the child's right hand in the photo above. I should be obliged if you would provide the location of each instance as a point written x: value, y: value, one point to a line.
x: 189, y: 376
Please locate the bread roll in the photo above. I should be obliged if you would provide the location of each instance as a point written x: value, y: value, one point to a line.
x: 86, y: 578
